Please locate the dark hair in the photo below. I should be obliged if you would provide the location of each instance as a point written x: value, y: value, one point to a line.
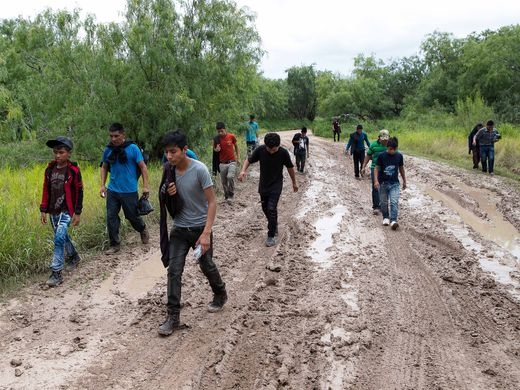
x: 304, y: 129
x: 220, y: 125
x: 251, y: 117
x: 175, y: 138
x: 116, y: 126
x: 359, y: 127
x: 392, y: 143
x: 490, y: 123
x: 271, y: 140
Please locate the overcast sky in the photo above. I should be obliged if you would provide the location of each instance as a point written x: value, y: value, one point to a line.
x: 330, y: 33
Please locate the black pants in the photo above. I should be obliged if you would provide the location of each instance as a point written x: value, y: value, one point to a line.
x: 300, y: 161
x: 270, y: 209
x: 336, y: 133
x: 215, y: 163
x: 127, y: 201
x: 359, y: 156
x: 181, y: 240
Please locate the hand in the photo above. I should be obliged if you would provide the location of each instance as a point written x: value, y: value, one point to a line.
x: 172, y: 189
x: 217, y: 148
x: 295, y: 187
x: 204, y: 241
x: 43, y: 218
x: 362, y: 172
x: 75, y: 219
x: 404, y: 185
x: 376, y: 185
x: 241, y: 176
x: 103, y: 192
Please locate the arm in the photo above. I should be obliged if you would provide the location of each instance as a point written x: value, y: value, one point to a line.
x: 401, y: 171
x: 144, y: 172
x: 242, y: 174
x: 293, y: 178
x: 366, y: 140
x: 78, y: 207
x: 205, y: 237
x: 376, y: 174
x: 104, y: 173
x: 237, y: 152
x: 368, y: 157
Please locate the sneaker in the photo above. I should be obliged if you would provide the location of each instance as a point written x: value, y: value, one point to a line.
x: 375, y: 211
x: 270, y: 241
x: 145, y: 236
x: 386, y: 222
x: 217, y: 303
x: 72, y: 262
x: 171, y: 323
x: 55, y: 279
x: 112, y: 250
x: 394, y: 225
x: 491, y: 173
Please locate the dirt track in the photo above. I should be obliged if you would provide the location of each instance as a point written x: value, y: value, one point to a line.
x: 341, y: 302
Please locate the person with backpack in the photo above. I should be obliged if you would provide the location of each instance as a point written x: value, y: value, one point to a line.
x: 486, y: 138
x: 125, y: 162
x: 301, y: 148
x: 356, y: 148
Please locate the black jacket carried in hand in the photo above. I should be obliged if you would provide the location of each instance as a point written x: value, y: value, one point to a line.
x: 168, y: 205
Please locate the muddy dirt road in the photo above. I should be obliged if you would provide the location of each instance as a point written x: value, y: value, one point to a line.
x: 341, y: 302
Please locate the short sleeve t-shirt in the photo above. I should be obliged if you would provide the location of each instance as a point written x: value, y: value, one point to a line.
x: 190, y: 187
x: 227, y: 143
x: 252, y: 128
x: 388, y: 167
x: 123, y: 176
x: 57, y: 202
x: 271, y: 168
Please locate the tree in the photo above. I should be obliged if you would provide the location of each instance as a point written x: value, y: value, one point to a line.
x: 301, y: 85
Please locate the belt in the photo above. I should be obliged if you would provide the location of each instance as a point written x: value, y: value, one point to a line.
x: 189, y: 229
x: 227, y: 162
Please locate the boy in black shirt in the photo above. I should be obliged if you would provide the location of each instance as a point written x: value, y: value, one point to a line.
x: 272, y: 158
x: 301, y: 148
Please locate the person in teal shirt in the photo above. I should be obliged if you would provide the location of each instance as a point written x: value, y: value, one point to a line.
x: 251, y: 135
x: 374, y: 150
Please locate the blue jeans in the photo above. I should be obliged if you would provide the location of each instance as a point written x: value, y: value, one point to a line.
x: 181, y: 240
x: 270, y: 209
x: 389, y: 194
x: 62, y: 242
x: 487, y: 155
x: 128, y: 201
x: 375, y: 193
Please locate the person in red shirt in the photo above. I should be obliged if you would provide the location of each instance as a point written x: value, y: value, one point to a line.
x: 229, y: 158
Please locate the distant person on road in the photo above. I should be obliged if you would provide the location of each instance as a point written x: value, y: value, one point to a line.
x: 62, y: 199
x: 228, y: 160
x: 475, y: 149
x: 125, y: 162
x: 374, y: 150
x: 356, y: 148
x: 192, y: 226
x: 386, y: 173
x: 486, y: 138
x: 336, y: 128
x: 301, y: 148
x: 272, y: 158
x: 251, y: 135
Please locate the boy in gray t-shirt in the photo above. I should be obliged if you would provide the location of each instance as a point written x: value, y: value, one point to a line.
x: 190, y: 181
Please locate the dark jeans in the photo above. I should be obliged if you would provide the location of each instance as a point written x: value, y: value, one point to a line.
x: 269, y: 207
x: 375, y: 193
x: 336, y: 133
x: 487, y: 156
x: 475, y: 150
x: 127, y: 201
x: 181, y: 240
x: 300, y: 161
x: 359, y: 156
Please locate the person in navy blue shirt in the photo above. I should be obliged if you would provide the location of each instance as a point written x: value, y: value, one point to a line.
x: 356, y: 148
x: 388, y: 167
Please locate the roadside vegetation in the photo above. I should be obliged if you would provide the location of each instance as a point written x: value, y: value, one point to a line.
x: 188, y: 64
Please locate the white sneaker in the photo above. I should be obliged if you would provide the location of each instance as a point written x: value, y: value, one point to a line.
x: 394, y: 225
x: 386, y: 222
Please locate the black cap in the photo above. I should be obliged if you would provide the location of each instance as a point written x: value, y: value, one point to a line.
x: 59, y: 141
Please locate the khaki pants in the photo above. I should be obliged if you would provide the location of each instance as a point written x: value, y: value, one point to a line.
x: 227, y: 177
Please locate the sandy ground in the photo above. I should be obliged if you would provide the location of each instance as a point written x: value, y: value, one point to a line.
x: 340, y: 302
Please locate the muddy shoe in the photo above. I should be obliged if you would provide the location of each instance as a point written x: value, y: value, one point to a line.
x: 113, y: 250
x: 394, y: 225
x: 218, y: 303
x: 386, y: 222
x: 145, y: 236
x: 172, y: 322
x: 72, y: 262
x: 375, y: 211
x: 55, y: 279
x: 270, y: 241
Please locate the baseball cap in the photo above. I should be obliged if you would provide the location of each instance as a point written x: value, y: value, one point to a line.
x: 384, y: 134
x: 59, y: 141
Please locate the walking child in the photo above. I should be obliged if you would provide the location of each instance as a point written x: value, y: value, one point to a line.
x: 62, y: 199
x: 301, y: 148
x: 386, y: 179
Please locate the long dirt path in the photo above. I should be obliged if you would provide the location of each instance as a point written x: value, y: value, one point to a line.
x: 341, y: 302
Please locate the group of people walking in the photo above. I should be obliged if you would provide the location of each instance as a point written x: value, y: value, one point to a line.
x: 481, y: 143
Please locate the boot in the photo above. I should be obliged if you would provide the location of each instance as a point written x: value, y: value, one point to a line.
x: 72, y: 262
x: 172, y: 322
x: 218, y: 302
x: 55, y: 279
